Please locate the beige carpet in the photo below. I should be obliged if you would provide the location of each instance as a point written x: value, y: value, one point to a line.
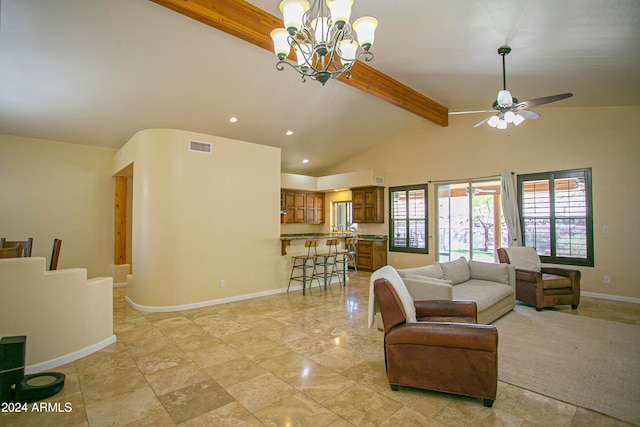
x: 587, y: 362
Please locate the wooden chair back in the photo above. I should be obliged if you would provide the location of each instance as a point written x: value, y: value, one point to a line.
x: 12, y: 252
x: 55, y: 254
x: 27, y: 245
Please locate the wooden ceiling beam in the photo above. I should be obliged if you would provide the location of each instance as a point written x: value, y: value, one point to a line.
x: 252, y: 24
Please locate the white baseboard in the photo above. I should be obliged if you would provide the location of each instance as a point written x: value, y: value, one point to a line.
x: 200, y: 304
x: 611, y: 297
x: 119, y: 285
x: 68, y: 358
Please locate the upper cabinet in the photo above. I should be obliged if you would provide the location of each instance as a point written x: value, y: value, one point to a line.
x: 302, y: 207
x: 367, y: 204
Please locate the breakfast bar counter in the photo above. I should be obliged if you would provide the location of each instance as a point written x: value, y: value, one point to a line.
x: 286, y: 239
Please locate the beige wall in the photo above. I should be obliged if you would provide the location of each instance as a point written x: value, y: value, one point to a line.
x: 200, y: 218
x: 51, y: 189
x: 605, y: 139
x: 64, y: 315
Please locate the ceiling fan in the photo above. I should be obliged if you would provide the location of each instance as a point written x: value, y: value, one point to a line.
x: 506, y: 108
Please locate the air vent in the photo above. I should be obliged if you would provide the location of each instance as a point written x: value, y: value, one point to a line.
x: 379, y: 180
x: 200, y: 147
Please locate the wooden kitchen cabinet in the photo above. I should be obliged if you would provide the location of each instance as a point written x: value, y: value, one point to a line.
x: 320, y: 208
x: 367, y: 205
x: 302, y: 207
x: 371, y: 254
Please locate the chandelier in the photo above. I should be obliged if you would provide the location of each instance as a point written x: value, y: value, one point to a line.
x: 322, y: 38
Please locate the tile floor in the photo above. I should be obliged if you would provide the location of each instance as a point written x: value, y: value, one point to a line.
x: 282, y: 360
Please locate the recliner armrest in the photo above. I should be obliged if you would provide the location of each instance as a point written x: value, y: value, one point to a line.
x: 444, y: 308
x: 452, y: 335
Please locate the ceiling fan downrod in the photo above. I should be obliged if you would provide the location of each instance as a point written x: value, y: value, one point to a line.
x: 503, y: 51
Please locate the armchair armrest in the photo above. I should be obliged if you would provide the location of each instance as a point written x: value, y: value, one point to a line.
x: 451, y: 335
x: 574, y: 275
x: 443, y: 308
x: 528, y: 276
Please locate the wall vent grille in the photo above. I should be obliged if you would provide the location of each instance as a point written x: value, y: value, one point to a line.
x: 379, y: 180
x: 200, y: 147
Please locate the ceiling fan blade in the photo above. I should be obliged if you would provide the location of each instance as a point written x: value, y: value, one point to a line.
x: 529, y: 115
x: 483, y: 121
x: 472, y: 112
x: 545, y: 100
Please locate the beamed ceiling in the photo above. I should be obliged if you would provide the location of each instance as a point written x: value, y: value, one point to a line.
x: 96, y: 72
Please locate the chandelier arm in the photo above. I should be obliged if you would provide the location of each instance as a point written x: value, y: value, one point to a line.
x: 298, y: 68
x: 319, y: 44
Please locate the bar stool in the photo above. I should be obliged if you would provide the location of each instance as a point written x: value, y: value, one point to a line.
x: 303, y: 262
x: 330, y: 259
x: 349, y: 256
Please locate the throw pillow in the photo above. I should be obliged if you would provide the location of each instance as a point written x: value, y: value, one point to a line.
x: 456, y: 271
x: 524, y: 258
x: 491, y: 272
x: 433, y: 270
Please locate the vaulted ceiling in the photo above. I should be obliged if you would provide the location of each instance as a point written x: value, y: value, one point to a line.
x: 96, y: 72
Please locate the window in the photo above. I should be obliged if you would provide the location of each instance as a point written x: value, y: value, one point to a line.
x: 408, y: 219
x: 341, y: 220
x: 557, y: 216
x: 469, y: 220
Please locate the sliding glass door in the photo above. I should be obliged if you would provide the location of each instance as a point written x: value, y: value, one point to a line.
x: 470, y: 222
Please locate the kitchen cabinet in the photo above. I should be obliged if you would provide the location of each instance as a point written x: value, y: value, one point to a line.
x: 302, y: 207
x: 367, y: 205
x: 371, y: 254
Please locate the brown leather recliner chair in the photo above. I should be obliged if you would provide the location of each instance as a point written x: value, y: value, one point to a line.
x: 547, y: 288
x: 444, y: 351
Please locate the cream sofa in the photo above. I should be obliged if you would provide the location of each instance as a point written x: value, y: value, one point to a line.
x: 491, y: 286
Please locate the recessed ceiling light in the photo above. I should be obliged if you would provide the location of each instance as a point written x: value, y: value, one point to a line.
x: 233, y: 119
x: 305, y: 161
x: 289, y: 133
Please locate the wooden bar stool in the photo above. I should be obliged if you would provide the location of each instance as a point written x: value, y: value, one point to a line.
x: 303, y: 262
x: 349, y: 256
x: 329, y: 262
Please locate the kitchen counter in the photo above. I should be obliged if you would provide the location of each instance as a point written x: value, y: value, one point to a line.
x: 287, y: 238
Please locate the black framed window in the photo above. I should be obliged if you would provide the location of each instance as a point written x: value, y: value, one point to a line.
x: 556, y: 214
x: 408, y: 219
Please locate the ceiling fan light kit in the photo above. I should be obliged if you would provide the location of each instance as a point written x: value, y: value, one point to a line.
x: 506, y: 108
x: 322, y: 38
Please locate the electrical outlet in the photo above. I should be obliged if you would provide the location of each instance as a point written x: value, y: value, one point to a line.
x: 222, y: 283
x: 607, y: 280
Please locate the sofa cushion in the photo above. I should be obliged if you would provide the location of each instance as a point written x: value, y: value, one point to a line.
x: 427, y: 288
x: 456, y: 271
x: 426, y: 279
x: 485, y: 293
x: 491, y: 272
x: 429, y: 271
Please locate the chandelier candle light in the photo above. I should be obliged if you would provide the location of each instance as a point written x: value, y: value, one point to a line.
x: 322, y: 38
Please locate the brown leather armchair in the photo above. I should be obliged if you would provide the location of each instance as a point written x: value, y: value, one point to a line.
x: 547, y: 288
x: 444, y: 351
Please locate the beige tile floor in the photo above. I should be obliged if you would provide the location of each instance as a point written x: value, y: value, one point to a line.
x: 282, y: 360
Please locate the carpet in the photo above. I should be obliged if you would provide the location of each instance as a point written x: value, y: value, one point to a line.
x: 583, y: 361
